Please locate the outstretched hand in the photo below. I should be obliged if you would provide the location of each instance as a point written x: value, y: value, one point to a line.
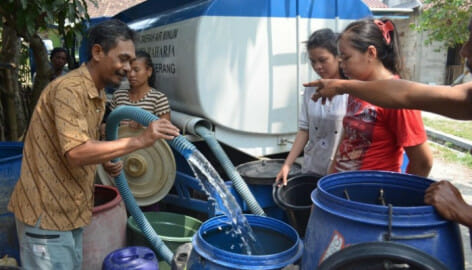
x: 325, y: 89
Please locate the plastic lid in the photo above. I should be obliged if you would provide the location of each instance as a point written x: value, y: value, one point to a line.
x: 150, y: 171
x: 263, y: 172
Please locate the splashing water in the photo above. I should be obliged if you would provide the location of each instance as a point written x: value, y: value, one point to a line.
x: 216, y: 188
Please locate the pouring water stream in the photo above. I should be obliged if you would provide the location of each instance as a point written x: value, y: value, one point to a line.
x: 216, y: 188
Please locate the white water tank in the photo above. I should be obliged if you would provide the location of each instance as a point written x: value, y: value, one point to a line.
x: 239, y: 64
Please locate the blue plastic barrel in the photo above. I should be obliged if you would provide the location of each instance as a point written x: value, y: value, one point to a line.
x: 131, y: 258
x: 8, y: 237
x: 10, y: 165
x: 213, y: 246
x: 349, y: 208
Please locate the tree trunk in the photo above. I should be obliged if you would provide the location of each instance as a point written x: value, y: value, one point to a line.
x: 10, y: 78
x: 43, y: 68
x: 2, y: 122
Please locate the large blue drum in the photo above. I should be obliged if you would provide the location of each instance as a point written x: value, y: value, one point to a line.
x: 11, y: 154
x: 368, y: 206
x: 214, y: 248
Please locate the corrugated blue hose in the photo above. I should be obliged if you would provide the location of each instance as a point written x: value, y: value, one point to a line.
x: 230, y: 170
x: 179, y: 143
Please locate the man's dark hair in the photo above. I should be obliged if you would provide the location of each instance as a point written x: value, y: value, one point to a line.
x: 58, y: 50
x: 106, y: 34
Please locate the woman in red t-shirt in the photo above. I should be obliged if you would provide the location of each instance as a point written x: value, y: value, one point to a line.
x: 375, y: 137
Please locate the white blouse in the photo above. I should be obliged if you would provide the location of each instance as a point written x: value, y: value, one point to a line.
x: 324, y: 124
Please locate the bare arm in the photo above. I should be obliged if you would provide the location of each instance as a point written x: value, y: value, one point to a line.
x: 421, y: 159
x: 332, y: 164
x: 95, y: 152
x: 453, y: 102
x: 300, y: 141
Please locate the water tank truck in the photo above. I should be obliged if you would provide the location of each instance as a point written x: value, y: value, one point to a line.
x: 238, y: 64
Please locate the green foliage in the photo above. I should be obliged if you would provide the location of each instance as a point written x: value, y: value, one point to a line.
x: 26, y: 19
x: 29, y: 17
x: 445, y: 21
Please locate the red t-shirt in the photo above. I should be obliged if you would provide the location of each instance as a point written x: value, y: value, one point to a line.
x: 374, y: 137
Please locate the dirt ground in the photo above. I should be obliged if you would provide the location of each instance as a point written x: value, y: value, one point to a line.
x: 461, y: 176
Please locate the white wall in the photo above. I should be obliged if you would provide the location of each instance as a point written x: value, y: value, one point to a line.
x: 422, y: 63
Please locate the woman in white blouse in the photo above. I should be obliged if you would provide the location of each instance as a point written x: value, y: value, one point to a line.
x: 320, y: 126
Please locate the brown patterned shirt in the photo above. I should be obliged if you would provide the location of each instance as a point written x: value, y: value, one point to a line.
x: 67, y: 114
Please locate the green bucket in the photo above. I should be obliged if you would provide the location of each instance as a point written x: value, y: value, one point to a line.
x: 174, y: 229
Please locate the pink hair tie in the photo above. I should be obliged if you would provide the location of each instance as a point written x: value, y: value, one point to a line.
x: 386, y: 28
